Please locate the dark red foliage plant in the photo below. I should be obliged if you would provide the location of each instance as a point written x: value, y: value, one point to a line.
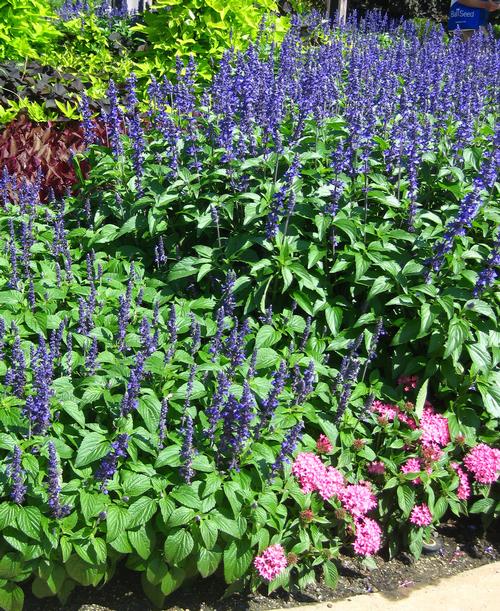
x: 29, y: 149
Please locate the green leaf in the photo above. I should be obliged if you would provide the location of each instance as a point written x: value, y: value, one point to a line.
x: 421, y: 398
x: 93, y: 447
x: 237, y: 560
x: 480, y: 357
x: 8, y: 513
x: 116, y: 522
x: 141, y: 511
x: 172, y: 580
x: 28, y: 520
x: 178, y: 546
x: 209, y: 533
x: 187, y: 496
x: 11, y: 597
x: 334, y: 316
x: 141, y: 542
x: 180, y: 516
x: 406, y: 499
x: 267, y: 336
x: 330, y: 574
x: 483, y: 506
x: 457, y: 334
x: 208, y: 562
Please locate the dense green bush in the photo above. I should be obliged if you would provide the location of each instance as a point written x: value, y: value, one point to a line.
x: 26, y: 28
x: 264, y: 326
x: 204, y: 29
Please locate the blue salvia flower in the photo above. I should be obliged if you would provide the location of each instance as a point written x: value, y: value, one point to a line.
x: 162, y: 424
x: 2, y: 336
x: 219, y: 397
x: 160, y: 256
x: 278, y: 205
x: 113, y: 121
x: 69, y: 353
x: 135, y: 132
x: 130, y: 400
x: 489, y: 273
x: 228, y: 301
x: 54, y: 485
x: 31, y: 294
x: 91, y: 359
x: 139, y: 298
x: 172, y: 329
x: 89, y: 131
x: 148, y: 339
x: 234, y: 347
x: 267, y: 317
x: 377, y: 334
x: 14, y: 278
x: 17, y: 475
x: 55, y: 340
x: 187, y: 450
x: 216, y: 343
x: 236, y: 419
x: 109, y: 463
x: 189, y: 387
x: 253, y: 365
x: 37, y: 407
x: 156, y: 313
x: 16, y: 374
x: 350, y: 380
x: 306, y: 334
x: 271, y: 402
x: 195, y: 333
x: 287, y: 448
x: 303, y: 385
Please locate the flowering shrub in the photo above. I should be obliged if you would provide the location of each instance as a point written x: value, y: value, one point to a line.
x: 261, y: 330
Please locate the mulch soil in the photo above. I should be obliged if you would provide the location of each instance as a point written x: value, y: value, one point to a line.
x: 464, y: 547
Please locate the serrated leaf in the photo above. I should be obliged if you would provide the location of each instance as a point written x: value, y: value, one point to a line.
x: 178, y: 546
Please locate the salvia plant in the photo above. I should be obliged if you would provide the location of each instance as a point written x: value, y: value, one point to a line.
x: 262, y: 330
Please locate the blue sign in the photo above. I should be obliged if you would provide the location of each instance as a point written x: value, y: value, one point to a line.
x: 466, y: 18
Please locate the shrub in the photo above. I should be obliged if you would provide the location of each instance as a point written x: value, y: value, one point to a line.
x: 220, y: 353
x: 26, y: 28
x: 204, y: 29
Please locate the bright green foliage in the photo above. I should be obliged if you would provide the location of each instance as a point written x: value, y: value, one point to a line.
x: 26, y: 28
x: 204, y: 28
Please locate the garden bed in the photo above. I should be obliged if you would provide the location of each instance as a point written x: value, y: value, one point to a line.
x: 464, y: 547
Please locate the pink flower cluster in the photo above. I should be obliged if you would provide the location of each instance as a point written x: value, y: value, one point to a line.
x: 463, y: 491
x: 390, y: 412
x: 313, y: 476
x: 408, y: 382
x: 271, y: 562
x: 483, y: 462
x: 358, y: 499
x: 421, y: 515
x: 323, y: 445
x: 434, y: 429
x: 413, y: 465
x: 368, y: 537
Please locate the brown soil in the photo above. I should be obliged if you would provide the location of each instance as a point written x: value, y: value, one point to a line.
x: 463, y: 548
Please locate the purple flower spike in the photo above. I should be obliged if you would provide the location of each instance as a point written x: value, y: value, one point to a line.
x: 17, y: 475
x: 54, y: 485
x: 109, y: 463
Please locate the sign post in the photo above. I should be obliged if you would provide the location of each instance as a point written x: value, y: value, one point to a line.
x: 337, y: 5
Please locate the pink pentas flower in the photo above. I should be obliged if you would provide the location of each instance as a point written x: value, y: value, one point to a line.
x: 413, y: 465
x: 434, y: 429
x: 330, y: 484
x: 408, y: 420
x: 271, y: 563
x: 323, y: 445
x: 368, y: 537
x: 463, y: 490
x: 358, y: 499
x: 308, y: 469
x: 385, y: 410
x: 431, y: 454
x: 483, y: 462
x: 376, y: 467
x: 421, y: 515
x: 313, y: 476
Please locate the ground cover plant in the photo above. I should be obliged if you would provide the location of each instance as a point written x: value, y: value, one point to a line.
x: 263, y: 326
